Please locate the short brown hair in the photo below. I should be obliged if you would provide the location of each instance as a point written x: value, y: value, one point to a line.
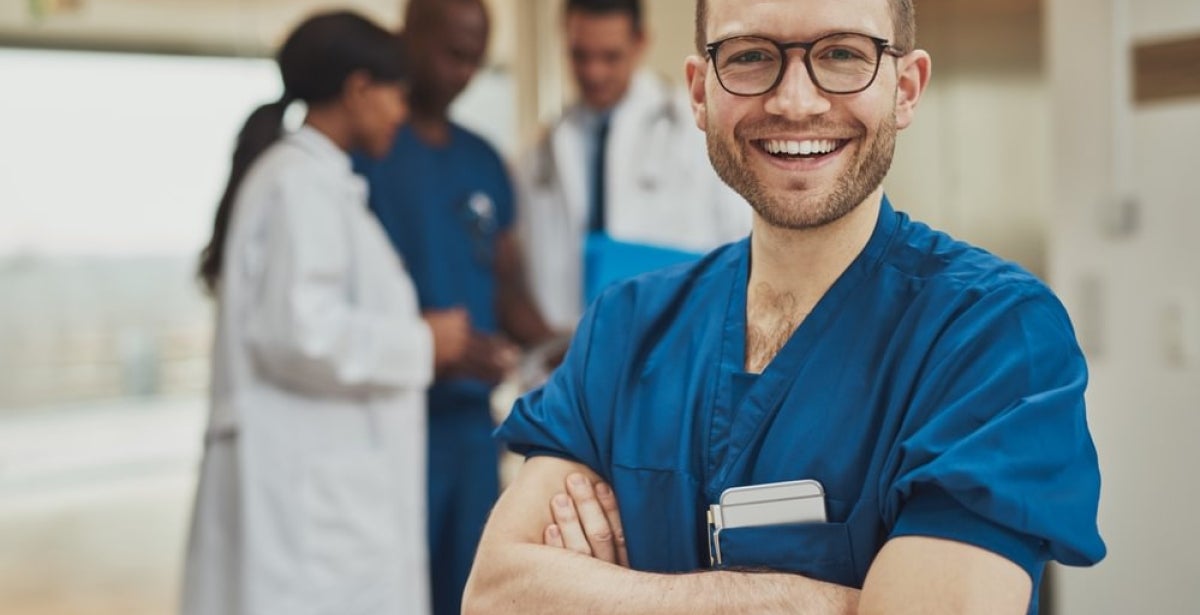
x: 632, y: 8
x: 904, y: 22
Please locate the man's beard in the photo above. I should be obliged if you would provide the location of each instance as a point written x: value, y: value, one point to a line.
x: 866, y: 173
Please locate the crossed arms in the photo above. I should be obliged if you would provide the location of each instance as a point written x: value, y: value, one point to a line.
x: 570, y: 557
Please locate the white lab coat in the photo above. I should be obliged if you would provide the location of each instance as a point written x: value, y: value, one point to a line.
x: 312, y: 489
x: 660, y: 190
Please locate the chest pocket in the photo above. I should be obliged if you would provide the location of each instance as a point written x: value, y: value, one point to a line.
x: 820, y: 551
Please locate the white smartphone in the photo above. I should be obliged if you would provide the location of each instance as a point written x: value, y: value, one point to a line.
x: 798, y: 501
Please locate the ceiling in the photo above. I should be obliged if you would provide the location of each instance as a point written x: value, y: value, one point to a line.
x: 255, y: 27
x: 223, y: 27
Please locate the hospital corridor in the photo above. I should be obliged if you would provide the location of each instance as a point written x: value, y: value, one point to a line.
x: 293, y: 292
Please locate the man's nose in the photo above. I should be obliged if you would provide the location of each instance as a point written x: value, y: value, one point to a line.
x: 464, y: 73
x: 595, y: 70
x: 796, y: 96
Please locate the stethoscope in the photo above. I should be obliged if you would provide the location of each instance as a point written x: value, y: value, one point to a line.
x: 663, y: 119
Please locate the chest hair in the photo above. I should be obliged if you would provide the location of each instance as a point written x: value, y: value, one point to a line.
x: 771, y: 318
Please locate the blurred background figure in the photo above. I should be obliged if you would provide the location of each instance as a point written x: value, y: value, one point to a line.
x: 446, y: 201
x: 311, y: 489
x: 624, y: 167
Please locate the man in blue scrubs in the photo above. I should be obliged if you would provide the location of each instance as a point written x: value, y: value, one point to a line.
x: 445, y: 199
x: 935, y: 391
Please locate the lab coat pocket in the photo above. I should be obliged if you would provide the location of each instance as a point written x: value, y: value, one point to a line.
x: 348, y: 527
x: 819, y: 551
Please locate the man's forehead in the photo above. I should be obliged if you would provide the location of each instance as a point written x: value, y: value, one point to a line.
x: 797, y: 19
x: 453, y: 19
x: 464, y: 26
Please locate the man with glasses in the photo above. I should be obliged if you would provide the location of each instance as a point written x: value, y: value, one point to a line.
x: 847, y: 412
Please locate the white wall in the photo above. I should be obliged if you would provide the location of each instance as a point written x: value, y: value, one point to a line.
x: 976, y: 162
x: 1129, y: 286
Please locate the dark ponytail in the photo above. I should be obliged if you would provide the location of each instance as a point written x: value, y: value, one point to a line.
x: 314, y: 62
x: 263, y: 128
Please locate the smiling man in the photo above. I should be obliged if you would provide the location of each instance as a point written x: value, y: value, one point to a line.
x: 928, y: 395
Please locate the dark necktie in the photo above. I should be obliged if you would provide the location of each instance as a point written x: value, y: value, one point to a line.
x: 596, y: 222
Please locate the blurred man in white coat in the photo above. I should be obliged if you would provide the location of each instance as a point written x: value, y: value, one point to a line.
x: 624, y: 166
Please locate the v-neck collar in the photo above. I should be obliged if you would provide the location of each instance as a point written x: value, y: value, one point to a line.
x: 764, y: 392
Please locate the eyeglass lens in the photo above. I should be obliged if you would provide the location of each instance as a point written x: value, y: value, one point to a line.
x: 840, y: 63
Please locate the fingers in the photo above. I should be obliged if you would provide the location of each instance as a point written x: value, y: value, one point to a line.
x: 592, y: 517
x: 608, y: 503
x: 489, y: 358
x: 587, y: 520
x: 570, y: 530
x: 552, y: 537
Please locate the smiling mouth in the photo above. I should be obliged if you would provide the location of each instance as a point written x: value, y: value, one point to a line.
x: 808, y: 149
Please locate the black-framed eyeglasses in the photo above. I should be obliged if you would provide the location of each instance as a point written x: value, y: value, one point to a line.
x: 839, y: 63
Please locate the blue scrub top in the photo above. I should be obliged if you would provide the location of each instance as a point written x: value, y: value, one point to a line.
x: 443, y: 208
x: 935, y: 390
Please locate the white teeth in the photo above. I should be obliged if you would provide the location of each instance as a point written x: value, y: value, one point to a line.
x: 799, y: 148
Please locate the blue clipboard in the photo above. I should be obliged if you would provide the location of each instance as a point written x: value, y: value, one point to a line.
x: 607, y: 260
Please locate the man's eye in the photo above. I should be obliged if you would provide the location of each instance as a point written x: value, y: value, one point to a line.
x: 750, y: 57
x: 842, y: 54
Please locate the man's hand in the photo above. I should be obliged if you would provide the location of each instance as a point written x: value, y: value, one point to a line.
x: 587, y: 521
x: 487, y: 357
x: 515, y: 572
x: 451, y: 334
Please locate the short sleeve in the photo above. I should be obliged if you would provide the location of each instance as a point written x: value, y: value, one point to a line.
x: 930, y: 511
x: 553, y: 420
x: 994, y: 449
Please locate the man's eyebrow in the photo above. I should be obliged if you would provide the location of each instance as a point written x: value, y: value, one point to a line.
x: 812, y: 37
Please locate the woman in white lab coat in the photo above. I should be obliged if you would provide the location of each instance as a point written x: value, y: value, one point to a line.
x: 311, y: 496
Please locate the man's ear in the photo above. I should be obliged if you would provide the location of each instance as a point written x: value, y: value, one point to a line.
x: 641, y: 43
x: 695, y: 69
x: 355, y: 87
x: 913, y: 72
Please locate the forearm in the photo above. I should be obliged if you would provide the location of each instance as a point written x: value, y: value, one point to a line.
x: 520, y: 318
x: 533, y: 579
x: 518, y: 312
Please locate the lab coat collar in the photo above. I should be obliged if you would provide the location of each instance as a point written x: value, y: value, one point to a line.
x: 646, y: 89
x: 647, y: 93
x: 327, y: 153
x: 316, y: 143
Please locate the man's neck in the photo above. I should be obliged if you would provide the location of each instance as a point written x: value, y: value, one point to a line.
x: 600, y: 111
x: 791, y: 270
x: 332, y: 124
x: 431, y: 127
